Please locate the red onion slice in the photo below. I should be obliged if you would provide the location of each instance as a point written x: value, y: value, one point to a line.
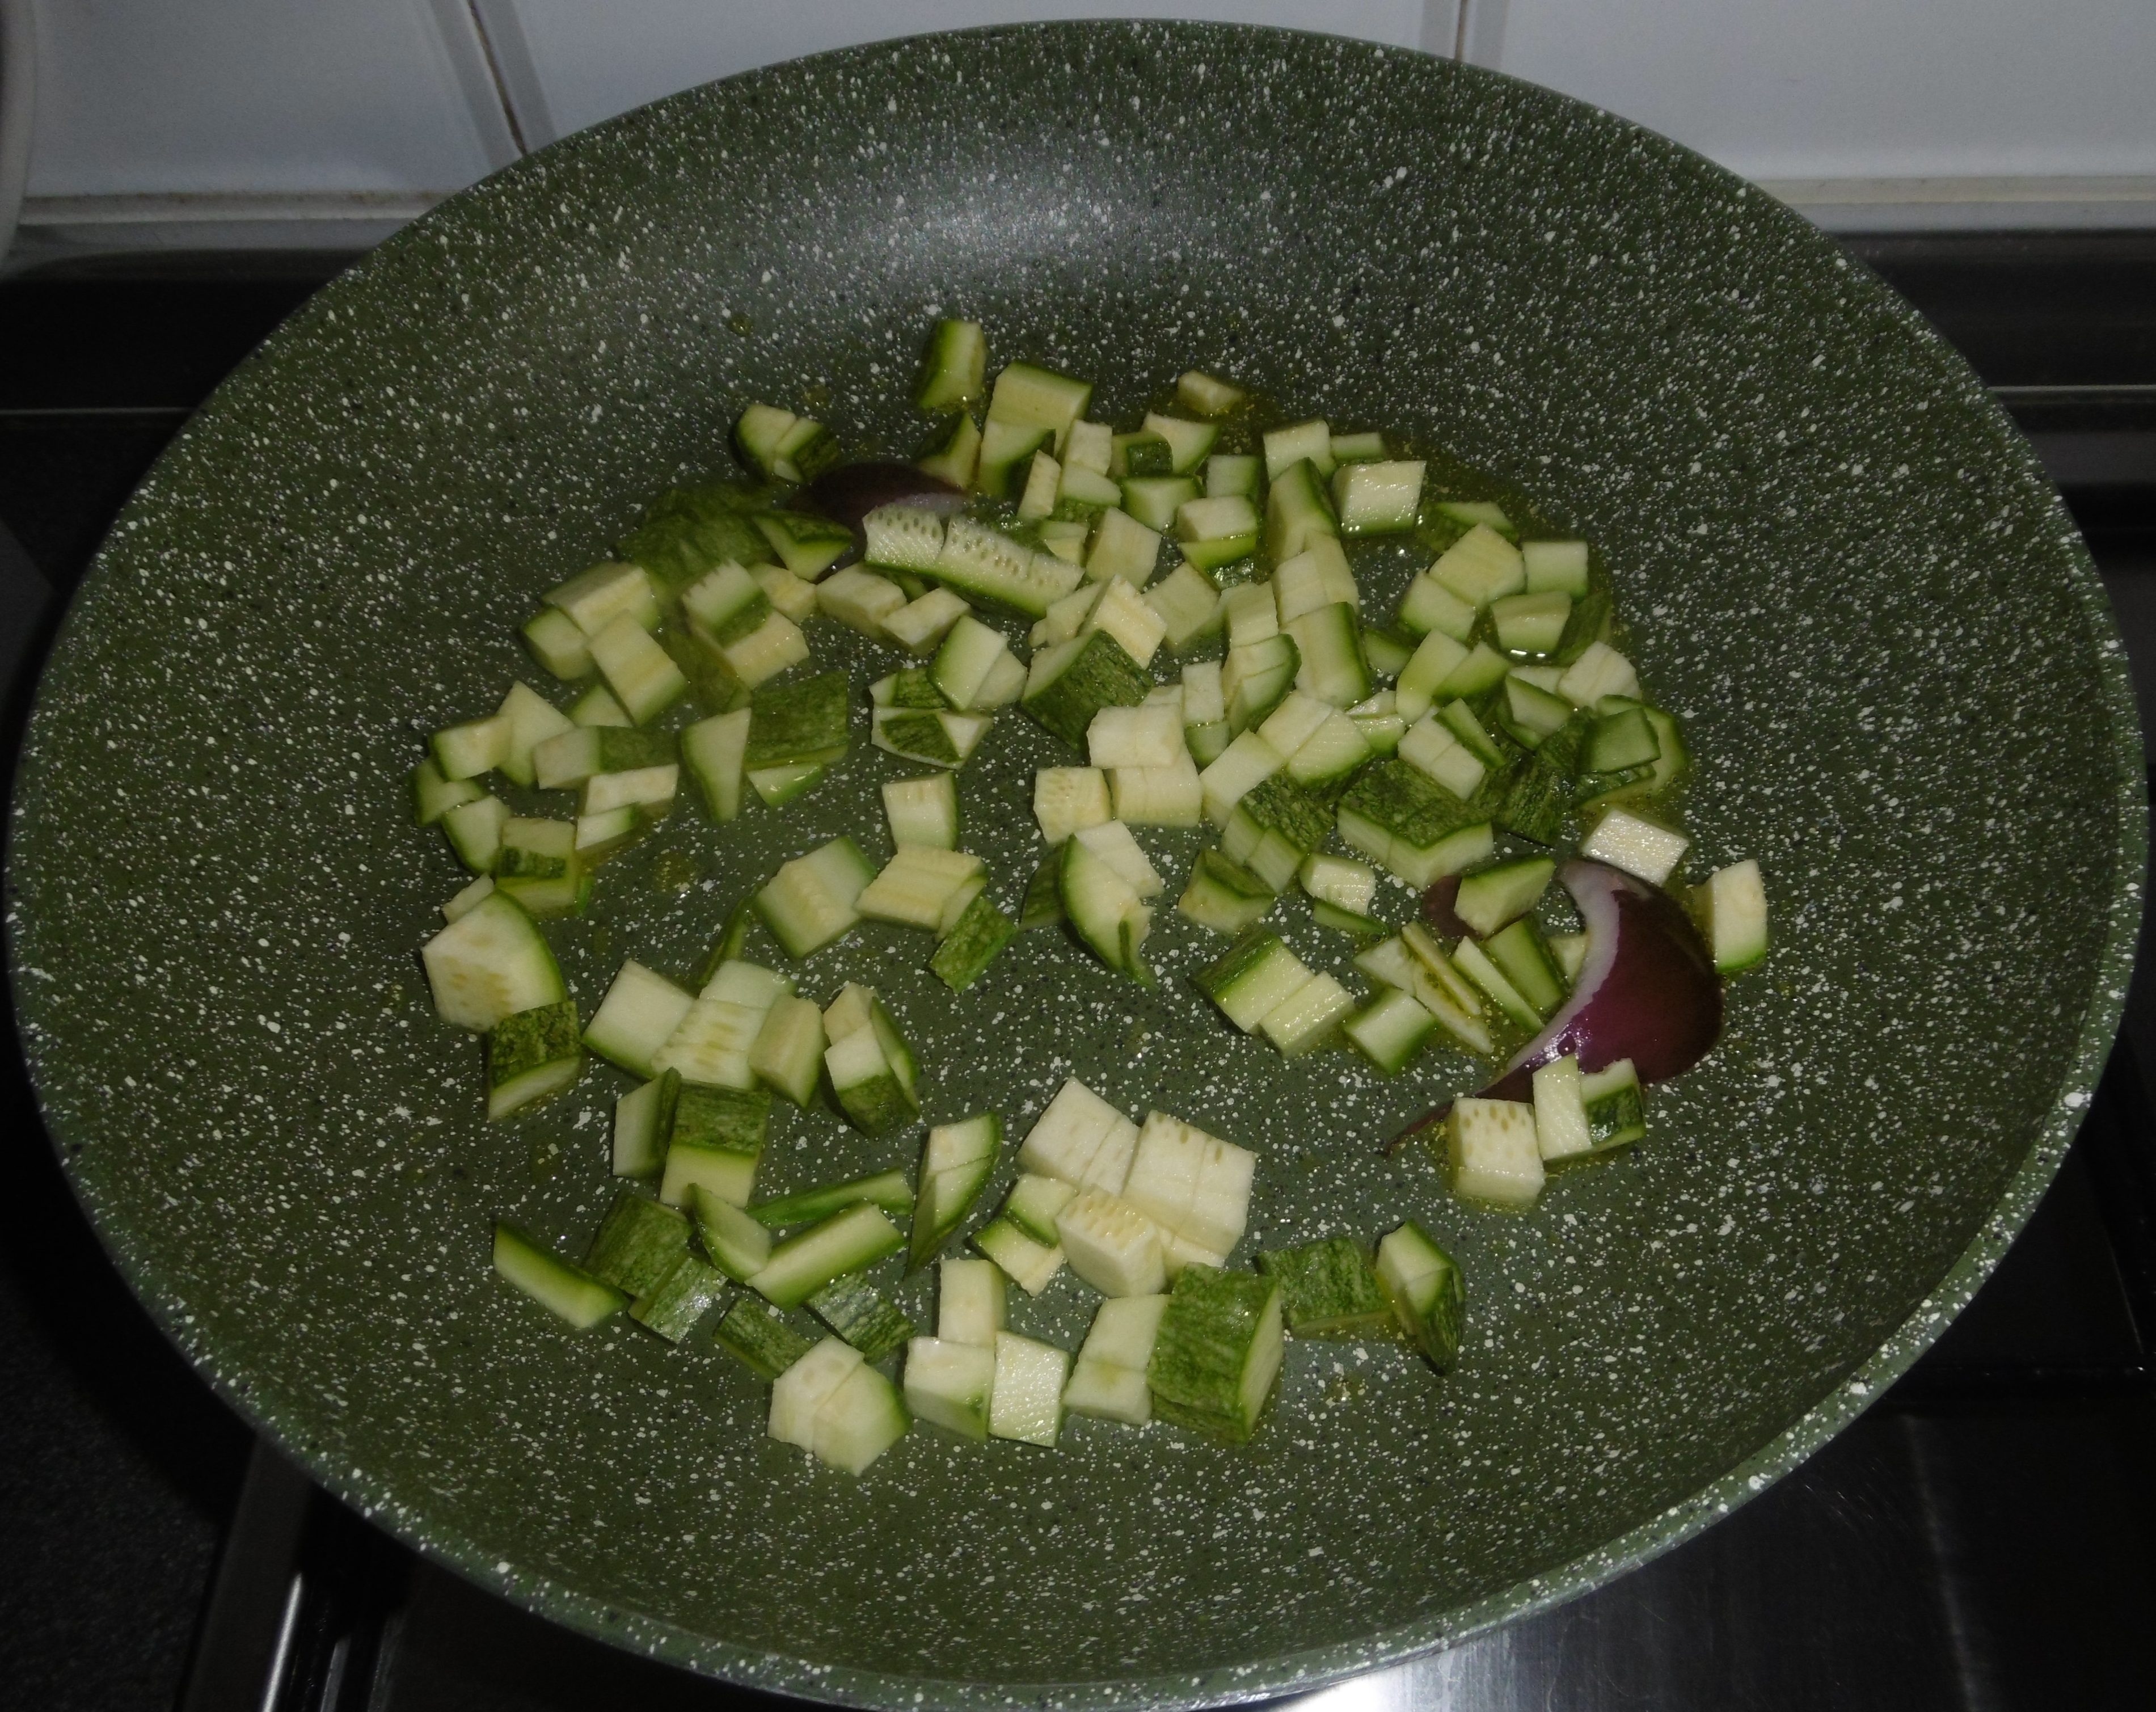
x: 1647, y: 990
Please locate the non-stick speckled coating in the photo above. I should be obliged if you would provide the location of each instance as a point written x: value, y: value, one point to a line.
x: 1844, y: 569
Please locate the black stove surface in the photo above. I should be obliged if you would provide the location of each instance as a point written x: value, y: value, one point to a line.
x: 1984, y: 1540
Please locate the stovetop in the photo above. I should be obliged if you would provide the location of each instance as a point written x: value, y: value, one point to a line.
x: 1983, y: 1540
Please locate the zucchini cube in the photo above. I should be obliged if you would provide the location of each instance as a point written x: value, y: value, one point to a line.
x: 950, y: 1385
x: 1490, y: 1152
x: 862, y: 1315
x: 1423, y: 1287
x: 1027, y: 1401
x: 758, y: 1335
x: 715, y: 1143
x: 532, y: 1055
x: 1217, y: 1353
x: 1327, y: 1290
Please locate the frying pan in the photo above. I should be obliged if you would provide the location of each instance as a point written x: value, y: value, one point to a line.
x: 1848, y: 576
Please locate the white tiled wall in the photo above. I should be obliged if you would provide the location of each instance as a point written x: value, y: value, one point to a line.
x: 1993, y: 111
x: 1849, y: 89
x: 590, y: 68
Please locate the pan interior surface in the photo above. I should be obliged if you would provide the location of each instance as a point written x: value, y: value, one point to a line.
x: 1846, y: 575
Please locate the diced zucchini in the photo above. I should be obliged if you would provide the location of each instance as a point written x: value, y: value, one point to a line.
x: 1493, y: 897
x: 861, y: 1418
x: 809, y: 903
x: 1027, y: 1402
x: 474, y: 830
x: 1470, y: 959
x: 1368, y: 448
x: 969, y: 655
x: 530, y: 1056
x: 1110, y: 1245
x: 643, y: 1120
x: 1124, y: 546
x: 466, y: 750
x: 1388, y: 651
x: 1194, y: 1186
x: 1296, y: 510
x: 1080, y: 1140
x: 1330, y: 664
x: 862, y: 1315
x: 923, y: 811
x: 956, y: 1161
x: 1206, y: 395
x: 1431, y: 747
x: 1732, y: 908
x: 1327, y: 1290
x: 1103, y: 908
x: 715, y: 1143
x: 434, y: 796
x: 1245, y: 764
x: 490, y: 964
x: 848, y: 1241
x: 866, y: 1085
x: 1481, y: 567
x: 557, y: 643
x: 1519, y: 953
x: 1285, y: 447
x: 969, y: 1302
x: 1429, y: 605
x: 637, y: 1243
x: 982, y: 564
x: 673, y: 1308
x: 1423, y: 1287
x: 1224, y: 896
x: 642, y: 676
x: 1636, y: 845
x: 1034, y: 1204
x: 557, y: 1285
x: 468, y: 899
x: 714, y: 750
x: 1600, y: 670
x: 1377, y: 497
x: 1408, y: 823
x: 1273, y: 827
x: 1217, y: 1352
x: 922, y: 886
x: 920, y: 625
x: 1490, y: 1154
x: 1255, y: 975
x: 1154, y: 501
x: 756, y: 1335
x: 1555, y: 567
x: 781, y: 446
x: 636, y: 1019
x: 953, y: 373
x: 1028, y: 1264
x: 1072, y: 681
x: 887, y: 1189
x: 1306, y: 1018
x: 594, y: 599
x: 1187, y: 606
x: 950, y: 1385
x: 1108, y: 1380
x: 971, y: 944
x: 738, y: 1245
x: 1031, y: 397
x: 1616, y: 1116
x: 957, y: 459
x: 1142, y: 455
x: 1391, y: 1030
x: 1255, y: 675
x: 1561, y: 1132
x: 1531, y: 623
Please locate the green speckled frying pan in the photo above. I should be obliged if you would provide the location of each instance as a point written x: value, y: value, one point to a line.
x: 1846, y: 572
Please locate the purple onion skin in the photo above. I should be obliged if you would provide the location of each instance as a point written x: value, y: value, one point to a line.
x: 846, y: 493
x: 1647, y: 991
